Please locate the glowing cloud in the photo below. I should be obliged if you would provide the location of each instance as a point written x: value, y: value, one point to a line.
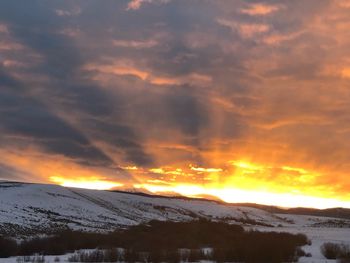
x: 345, y: 72
x: 88, y: 183
x: 136, y: 4
x: 206, y: 170
x: 244, y: 100
x: 244, y: 29
x: 232, y: 195
x: 259, y: 9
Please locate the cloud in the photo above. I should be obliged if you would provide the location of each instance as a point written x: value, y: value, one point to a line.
x: 11, y: 174
x: 3, y: 28
x: 127, y: 68
x: 259, y: 9
x: 189, y: 82
x: 8, y: 46
x: 343, y: 3
x: 135, y: 44
x: 186, y: 112
x: 47, y: 129
x: 244, y: 29
x: 136, y: 4
x: 27, y: 119
x: 73, y: 12
x: 276, y: 39
x: 71, y: 32
x: 345, y: 72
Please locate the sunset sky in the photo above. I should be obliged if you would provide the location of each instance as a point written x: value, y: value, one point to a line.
x: 245, y: 101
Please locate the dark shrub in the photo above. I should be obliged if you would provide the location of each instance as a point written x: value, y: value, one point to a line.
x: 173, y: 256
x: 331, y: 250
x: 159, y: 241
x: 341, y: 252
x: 8, y: 247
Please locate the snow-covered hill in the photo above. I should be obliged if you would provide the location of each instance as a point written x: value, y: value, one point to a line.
x: 27, y: 209
x: 30, y: 208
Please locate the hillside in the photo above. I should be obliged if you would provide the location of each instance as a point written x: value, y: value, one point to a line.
x: 27, y: 209
x: 336, y: 212
x: 36, y: 208
x: 30, y: 209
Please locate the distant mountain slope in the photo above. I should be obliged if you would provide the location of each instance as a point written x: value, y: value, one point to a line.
x: 337, y: 212
x: 30, y: 208
x: 26, y: 209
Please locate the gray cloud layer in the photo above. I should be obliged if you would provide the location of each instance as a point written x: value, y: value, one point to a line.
x: 155, y: 83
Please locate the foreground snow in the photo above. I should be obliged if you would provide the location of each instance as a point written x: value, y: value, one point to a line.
x: 318, y: 236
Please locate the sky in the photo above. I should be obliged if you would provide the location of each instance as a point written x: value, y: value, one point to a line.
x: 244, y: 101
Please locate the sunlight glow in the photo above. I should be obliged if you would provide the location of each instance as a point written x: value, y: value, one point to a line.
x: 87, y: 183
x: 240, y: 181
x: 231, y: 195
x: 247, y: 166
x: 205, y: 170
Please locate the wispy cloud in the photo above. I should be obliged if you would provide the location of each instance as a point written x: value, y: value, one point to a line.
x: 246, y: 30
x: 136, y: 4
x: 260, y: 9
x: 135, y: 43
x: 68, y: 12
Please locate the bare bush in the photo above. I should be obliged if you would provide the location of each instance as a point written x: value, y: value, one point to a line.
x: 31, y: 259
x: 8, y: 247
x: 159, y: 241
x: 341, y: 252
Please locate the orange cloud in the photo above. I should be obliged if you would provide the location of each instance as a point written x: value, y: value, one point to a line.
x: 122, y: 68
x: 135, y: 44
x: 276, y: 39
x: 57, y: 169
x: 244, y: 29
x: 85, y: 182
x: 206, y: 170
x: 9, y: 46
x: 128, y: 68
x: 343, y: 3
x: 136, y: 4
x: 259, y: 9
x: 345, y: 72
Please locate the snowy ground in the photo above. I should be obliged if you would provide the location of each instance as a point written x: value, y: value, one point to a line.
x: 48, y: 259
x: 37, y: 207
x: 318, y: 236
x: 26, y: 208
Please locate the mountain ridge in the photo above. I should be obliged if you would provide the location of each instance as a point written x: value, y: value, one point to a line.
x: 27, y: 209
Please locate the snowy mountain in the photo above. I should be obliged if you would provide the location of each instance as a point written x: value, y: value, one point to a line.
x: 31, y: 208
x: 27, y: 209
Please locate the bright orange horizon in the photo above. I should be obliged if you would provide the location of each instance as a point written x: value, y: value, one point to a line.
x: 237, y: 188
x: 241, y: 101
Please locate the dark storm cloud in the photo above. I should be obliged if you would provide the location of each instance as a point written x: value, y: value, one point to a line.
x: 6, y: 82
x: 121, y: 137
x: 185, y: 112
x: 66, y: 89
x: 23, y: 116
